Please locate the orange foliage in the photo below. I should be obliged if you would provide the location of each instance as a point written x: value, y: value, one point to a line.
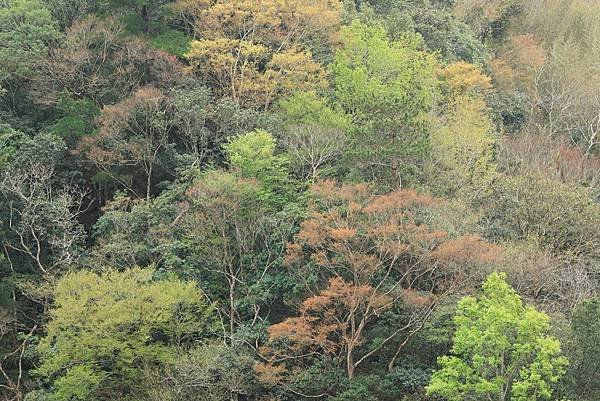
x: 467, y: 249
x: 519, y: 63
x: 327, y: 323
x: 370, y: 252
x: 356, y: 234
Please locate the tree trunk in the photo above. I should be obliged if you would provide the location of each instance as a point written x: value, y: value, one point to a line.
x: 145, y: 19
x: 149, y: 183
x: 396, y: 173
x: 350, y: 362
x: 231, y: 305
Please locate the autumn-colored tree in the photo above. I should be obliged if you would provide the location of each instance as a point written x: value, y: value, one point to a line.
x: 253, y: 52
x: 464, y: 79
x: 233, y: 67
x: 519, y: 64
x: 358, y: 255
x: 98, y: 61
x: 270, y: 22
x: 132, y: 134
x: 463, y: 138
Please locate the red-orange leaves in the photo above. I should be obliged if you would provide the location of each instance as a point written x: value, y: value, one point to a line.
x: 469, y: 248
x: 327, y: 324
x: 360, y: 254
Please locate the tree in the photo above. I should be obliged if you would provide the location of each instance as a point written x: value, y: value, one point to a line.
x: 315, y: 135
x: 254, y: 52
x: 237, y: 240
x: 97, y: 60
x: 462, y: 137
x: 253, y: 156
x: 144, y: 8
x: 134, y: 133
x: 26, y: 31
x: 104, y: 328
x: 359, y: 255
x: 554, y: 282
x: 442, y: 31
x: 585, y: 324
x: 233, y: 67
x: 502, y: 350
x: 76, y: 119
x: 191, y: 108
x: 567, y: 96
x: 561, y: 217
x: 518, y: 64
x: 488, y: 19
x: 66, y: 12
x: 41, y: 214
x: 211, y: 372
x: 387, y: 88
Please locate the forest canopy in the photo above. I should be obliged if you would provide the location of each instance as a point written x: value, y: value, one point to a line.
x: 268, y: 200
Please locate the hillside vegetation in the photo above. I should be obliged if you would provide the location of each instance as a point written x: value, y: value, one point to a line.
x: 296, y: 200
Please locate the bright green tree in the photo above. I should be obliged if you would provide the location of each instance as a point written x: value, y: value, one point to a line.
x: 502, y: 350
x: 105, y: 328
x: 253, y: 156
x: 388, y: 88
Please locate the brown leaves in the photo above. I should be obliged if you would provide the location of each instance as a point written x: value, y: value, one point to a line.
x: 518, y: 64
x: 100, y: 62
x: 469, y: 248
x: 352, y: 227
x: 322, y: 326
x: 367, y: 253
x: 351, y: 230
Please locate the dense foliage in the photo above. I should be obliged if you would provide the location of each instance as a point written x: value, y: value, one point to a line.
x: 268, y: 200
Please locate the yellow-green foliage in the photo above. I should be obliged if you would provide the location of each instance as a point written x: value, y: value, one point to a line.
x: 464, y: 143
x: 502, y: 350
x: 105, y: 328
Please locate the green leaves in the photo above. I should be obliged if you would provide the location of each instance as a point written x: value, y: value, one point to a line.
x: 104, y: 328
x: 387, y: 87
x: 502, y: 350
x: 26, y: 28
x: 586, y: 330
x: 253, y: 156
x: 373, y: 75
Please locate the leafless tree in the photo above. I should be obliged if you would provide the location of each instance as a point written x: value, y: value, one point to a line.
x: 43, y: 219
x: 312, y: 147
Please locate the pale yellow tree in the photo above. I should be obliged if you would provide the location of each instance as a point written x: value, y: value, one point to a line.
x: 253, y: 52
